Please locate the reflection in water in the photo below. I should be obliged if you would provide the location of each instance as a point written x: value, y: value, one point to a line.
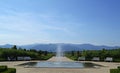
x: 60, y: 65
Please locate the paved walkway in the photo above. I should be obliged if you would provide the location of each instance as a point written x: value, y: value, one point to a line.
x: 60, y: 58
x: 20, y: 69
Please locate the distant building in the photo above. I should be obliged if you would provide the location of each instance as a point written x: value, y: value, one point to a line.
x: 11, y: 58
x: 96, y: 59
x: 20, y: 58
x: 27, y: 58
x: 108, y: 59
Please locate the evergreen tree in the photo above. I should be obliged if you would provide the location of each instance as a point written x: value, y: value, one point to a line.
x: 14, y: 47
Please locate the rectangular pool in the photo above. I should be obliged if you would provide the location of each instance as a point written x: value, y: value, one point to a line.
x: 48, y: 64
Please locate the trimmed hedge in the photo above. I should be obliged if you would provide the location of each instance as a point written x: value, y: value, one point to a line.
x: 10, y: 70
x: 115, y: 70
x: 3, y: 68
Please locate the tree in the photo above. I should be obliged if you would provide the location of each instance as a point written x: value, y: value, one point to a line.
x: 40, y: 52
x: 33, y: 50
x: 45, y: 53
x: 72, y: 52
x: 78, y: 53
x: 14, y: 47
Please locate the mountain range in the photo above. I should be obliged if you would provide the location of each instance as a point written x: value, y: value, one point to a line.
x: 65, y: 47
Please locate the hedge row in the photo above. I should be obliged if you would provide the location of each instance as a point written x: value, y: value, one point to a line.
x: 10, y: 70
x: 4, y: 69
x: 115, y: 70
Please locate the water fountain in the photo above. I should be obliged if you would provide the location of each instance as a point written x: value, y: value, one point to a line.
x: 59, y: 63
x: 59, y: 53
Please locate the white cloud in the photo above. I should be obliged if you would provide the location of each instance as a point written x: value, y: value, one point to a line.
x: 27, y: 22
x: 21, y: 26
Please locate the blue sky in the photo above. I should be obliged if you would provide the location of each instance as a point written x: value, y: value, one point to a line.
x: 60, y: 21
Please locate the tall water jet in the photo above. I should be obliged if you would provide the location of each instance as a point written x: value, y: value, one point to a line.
x: 60, y: 62
x: 59, y: 53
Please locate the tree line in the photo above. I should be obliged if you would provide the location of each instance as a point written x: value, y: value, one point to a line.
x: 89, y: 54
x: 15, y: 52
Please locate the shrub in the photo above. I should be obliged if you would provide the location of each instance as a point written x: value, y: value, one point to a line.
x: 3, y: 68
x: 119, y: 67
x: 2, y: 59
x: 10, y: 70
x: 114, y: 71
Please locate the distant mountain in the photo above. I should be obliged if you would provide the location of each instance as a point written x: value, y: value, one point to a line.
x: 6, y: 46
x: 44, y: 47
x: 65, y: 47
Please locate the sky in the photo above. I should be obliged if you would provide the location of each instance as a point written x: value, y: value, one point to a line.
x: 60, y: 21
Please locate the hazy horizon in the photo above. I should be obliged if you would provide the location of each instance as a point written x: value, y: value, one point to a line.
x: 61, y: 43
x: 60, y: 21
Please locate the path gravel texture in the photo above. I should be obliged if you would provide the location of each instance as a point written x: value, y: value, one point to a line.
x: 21, y: 69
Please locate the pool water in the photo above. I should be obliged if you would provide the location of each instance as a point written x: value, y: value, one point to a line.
x: 48, y: 64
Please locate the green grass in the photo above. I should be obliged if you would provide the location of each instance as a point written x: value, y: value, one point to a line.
x: 46, y: 57
x: 72, y: 57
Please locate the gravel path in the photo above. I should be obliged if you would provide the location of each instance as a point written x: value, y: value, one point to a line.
x: 61, y: 59
x: 20, y: 69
